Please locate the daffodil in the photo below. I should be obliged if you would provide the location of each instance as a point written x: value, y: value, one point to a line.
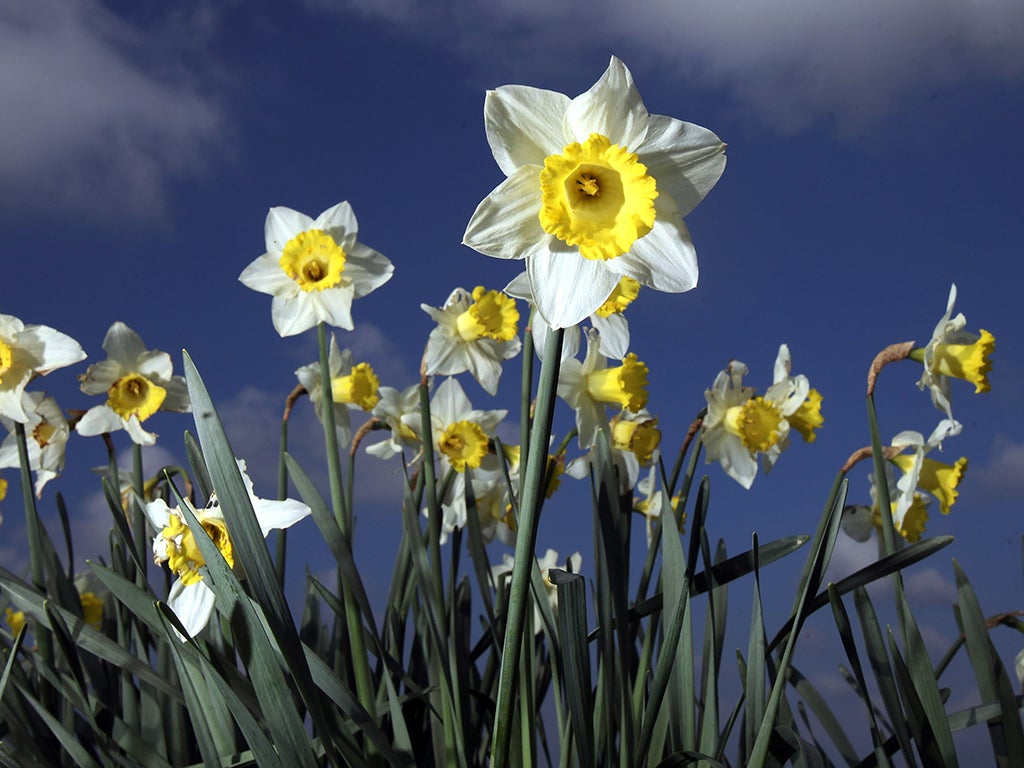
x: 609, y: 320
x: 137, y: 381
x: 190, y: 598
x: 27, y: 351
x: 353, y: 386
x: 740, y: 427
x: 550, y: 560
x: 652, y: 502
x: 393, y: 408
x: 314, y: 268
x: 954, y: 353
x: 475, y: 332
x: 92, y: 597
x: 597, y: 189
x: 47, y: 434
x: 922, y: 473
x: 461, y: 435
x: 15, y: 620
x: 908, y: 507
x: 589, y: 387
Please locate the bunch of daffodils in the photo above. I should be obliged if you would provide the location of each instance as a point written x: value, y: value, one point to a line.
x: 741, y: 428
x: 597, y: 189
x: 314, y: 268
x: 137, y: 381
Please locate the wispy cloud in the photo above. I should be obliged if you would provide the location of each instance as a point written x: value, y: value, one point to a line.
x: 92, y: 123
x: 791, y: 62
x: 1004, y: 470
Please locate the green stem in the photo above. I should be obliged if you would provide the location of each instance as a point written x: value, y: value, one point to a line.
x: 360, y: 662
x: 281, y: 539
x: 532, y: 495
x: 526, y: 393
x: 138, y: 514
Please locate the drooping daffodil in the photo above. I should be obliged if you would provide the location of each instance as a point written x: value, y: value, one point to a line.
x: 314, y: 268
x: 597, y: 189
x: 27, y: 351
x: 392, y: 408
x: 137, y: 381
x: 589, y: 387
x: 954, y: 353
x: 353, y: 386
x: 190, y: 598
x: 926, y: 474
x: 476, y: 331
x: 47, y: 434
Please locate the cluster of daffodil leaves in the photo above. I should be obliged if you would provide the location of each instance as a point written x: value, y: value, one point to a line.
x: 592, y: 208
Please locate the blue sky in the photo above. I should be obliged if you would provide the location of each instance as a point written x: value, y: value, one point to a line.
x: 874, y: 158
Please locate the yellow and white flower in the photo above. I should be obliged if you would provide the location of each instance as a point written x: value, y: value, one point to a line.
x: 597, y: 189
x: 550, y: 560
x: 190, y: 598
x: 954, y: 353
x: 393, y: 408
x: 314, y: 268
x: 27, y: 351
x: 921, y: 473
x: 909, y: 508
x: 47, y: 434
x: 591, y: 385
x: 353, y: 386
x: 796, y: 401
x: 475, y: 332
x: 137, y: 381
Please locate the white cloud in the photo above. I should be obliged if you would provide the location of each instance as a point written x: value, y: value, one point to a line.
x: 927, y: 586
x: 1004, y: 470
x: 791, y: 62
x: 86, y: 126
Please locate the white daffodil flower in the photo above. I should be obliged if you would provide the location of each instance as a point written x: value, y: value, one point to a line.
x: 190, y: 598
x: 909, y: 509
x: 503, y: 570
x: 955, y: 353
x: 922, y: 473
x: 609, y: 320
x: 461, y: 435
x: 352, y: 387
x: 47, y: 434
x: 597, y: 189
x: 27, y: 351
x: 137, y: 381
x: 591, y: 385
x: 652, y: 503
x: 858, y: 521
x: 739, y: 426
x: 475, y: 332
x: 392, y: 408
x: 314, y: 268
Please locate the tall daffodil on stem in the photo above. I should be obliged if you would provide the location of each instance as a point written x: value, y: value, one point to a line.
x: 314, y: 268
x: 137, y: 381
x: 597, y: 189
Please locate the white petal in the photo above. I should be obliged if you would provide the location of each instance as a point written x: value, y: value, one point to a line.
x: 138, y: 435
x: 614, y: 338
x: 367, y: 269
x: 338, y: 221
x: 97, y: 420
x: 292, y: 315
x: 524, y: 125
x: 281, y: 226
x: 278, y: 514
x: 192, y: 604
x: 506, y: 224
x: 123, y: 345
x: 664, y: 259
x: 783, y: 363
x: 333, y: 306
x: 155, y: 365
x: 685, y: 160
x: 449, y: 403
x: 612, y: 107
x: 519, y: 287
x: 100, y: 377
x: 567, y: 287
x: 10, y: 401
x: 177, y: 399
x: 266, y: 276
x: 49, y: 349
x: 158, y: 514
x: 858, y: 522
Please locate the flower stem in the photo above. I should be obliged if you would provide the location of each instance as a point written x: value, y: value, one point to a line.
x: 532, y: 494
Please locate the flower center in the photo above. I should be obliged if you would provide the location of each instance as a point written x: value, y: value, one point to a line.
x: 43, y: 432
x: 967, y: 361
x: 464, y: 443
x: 597, y: 196
x: 640, y: 437
x: 622, y: 296
x: 92, y: 609
x: 807, y: 417
x: 6, y: 358
x: 313, y: 260
x: 135, y: 395
x: 492, y: 315
x: 756, y: 423
x: 183, y: 555
x: 359, y: 387
x: 625, y: 385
